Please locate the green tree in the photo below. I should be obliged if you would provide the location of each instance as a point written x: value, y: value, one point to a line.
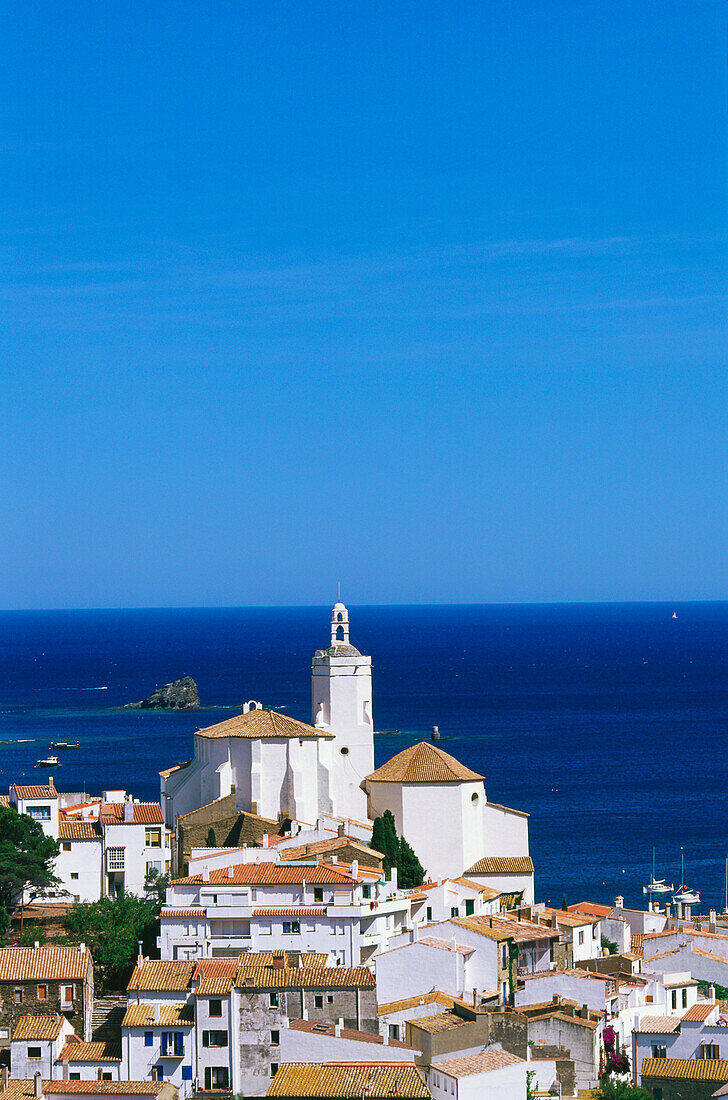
x: 620, y: 1090
x: 396, y: 851
x: 27, y: 856
x: 609, y: 945
x: 211, y: 841
x: 410, y: 871
x: 530, y: 1084
x: 111, y: 928
x: 155, y: 886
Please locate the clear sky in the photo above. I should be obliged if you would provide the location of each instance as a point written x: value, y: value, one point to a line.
x: 426, y: 297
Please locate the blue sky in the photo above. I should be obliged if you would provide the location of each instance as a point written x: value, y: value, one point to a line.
x: 427, y: 297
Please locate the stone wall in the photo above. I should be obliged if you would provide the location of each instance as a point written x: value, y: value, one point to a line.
x: 681, y: 1088
x: 232, y: 827
x: 32, y: 1005
x: 478, y: 1029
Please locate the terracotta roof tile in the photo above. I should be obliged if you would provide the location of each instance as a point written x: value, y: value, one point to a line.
x: 169, y: 1014
x: 4, y: 800
x: 324, y: 847
x: 446, y: 945
x: 700, y: 1012
x: 76, y: 1050
x: 570, y: 920
x: 422, y: 763
x: 27, y: 964
x: 486, y: 892
x: 470, y: 1064
x: 214, y: 977
x: 693, y: 1069
x: 289, y: 912
x: 348, y: 1081
x: 318, y: 1027
x: 503, y: 928
x: 79, y: 830
x: 166, y: 772
x: 145, y: 813
x: 436, y: 997
x: 258, y: 724
x: 502, y: 865
x: 162, y: 975
x: 38, y: 1027
x: 35, y: 790
x: 439, y: 1022
x: 183, y: 912
x: 591, y: 907
x: 658, y: 1025
x: 272, y: 874
x: 303, y: 977
x: 105, y: 1088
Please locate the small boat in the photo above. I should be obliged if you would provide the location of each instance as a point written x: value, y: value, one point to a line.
x: 674, y: 614
x: 48, y: 762
x: 657, y: 885
x: 64, y: 744
x: 684, y: 893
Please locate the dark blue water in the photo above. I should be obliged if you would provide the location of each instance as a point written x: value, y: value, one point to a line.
x: 607, y: 723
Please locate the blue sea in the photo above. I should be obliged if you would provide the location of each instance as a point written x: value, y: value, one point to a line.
x: 606, y: 722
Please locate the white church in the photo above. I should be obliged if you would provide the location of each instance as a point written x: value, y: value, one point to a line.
x: 278, y: 765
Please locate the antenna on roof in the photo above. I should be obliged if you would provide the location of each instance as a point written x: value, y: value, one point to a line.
x: 338, y: 591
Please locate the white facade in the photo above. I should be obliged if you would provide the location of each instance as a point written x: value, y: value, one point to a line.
x: 31, y: 1056
x: 506, y: 1081
x: 452, y: 898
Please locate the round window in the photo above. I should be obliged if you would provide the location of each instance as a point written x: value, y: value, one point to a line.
x: 475, y: 798
x: 344, y: 750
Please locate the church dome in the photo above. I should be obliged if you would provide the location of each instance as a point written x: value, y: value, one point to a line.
x: 423, y: 763
x: 339, y: 650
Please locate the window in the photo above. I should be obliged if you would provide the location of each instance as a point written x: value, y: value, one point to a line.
x: 66, y: 846
x: 330, y: 999
x: 34, y: 1052
x: 674, y: 998
x: 153, y: 838
x: 66, y: 994
x: 186, y: 1073
x: 42, y: 992
x: 469, y: 907
x: 366, y: 892
x: 273, y: 1000
x: 39, y: 813
x: 148, y: 1038
x: 318, y: 1001
x: 264, y: 929
x: 318, y: 893
x: 216, y: 1077
x: 157, y: 1073
x: 394, y: 1031
x: 17, y: 996
x: 214, y: 1008
x: 504, y: 955
x: 428, y: 913
x: 685, y: 998
x: 709, y: 1050
x: 154, y: 865
x: 105, y: 1075
x: 74, y: 1077
x: 291, y: 928
x: 214, y: 1038
x: 173, y: 1044
x: 74, y: 874
x: 454, y: 911
x: 115, y: 859
x: 275, y: 1038
x: 581, y: 937
x: 273, y: 1069
x: 659, y: 1050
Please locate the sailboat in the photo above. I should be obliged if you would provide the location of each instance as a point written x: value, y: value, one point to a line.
x: 674, y: 614
x: 657, y: 885
x: 684, y: 893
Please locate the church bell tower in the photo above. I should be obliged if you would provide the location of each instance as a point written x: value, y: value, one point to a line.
x: 342, y: 704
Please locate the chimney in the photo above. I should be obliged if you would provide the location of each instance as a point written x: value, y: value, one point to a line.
x: 37, y: 1084
x: 619, y: 902
x: 556, y: 999
x: 156, y: 1014
x: 304, y: 1010
x: 416, y: 932
x: 555, y: 921
x: 205, y: 874
x: 355, y: 868
x: 668, y: 908
x: 265, y: 839
x: 99, y: 1074
x: 713, y: 925
x: 475, y: 996
x: 385, y: 1039
x: 279, y: 961
x: 585, y: 1012
x: 435, y: 733
x: 3, y: 1078
x: 36, y: 943
x: 128, y: 811
x: 688, y: 911
x: 140, y: 957
x: 340, y: 830
x: 678, y: 910
x: 649, y: 906
x: 50, y: 782
x: 82, y: 948
x: 231, y: 872
x: 711, y: 993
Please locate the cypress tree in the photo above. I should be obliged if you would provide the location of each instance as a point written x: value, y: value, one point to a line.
x: 397, y: 852
x: 410, y: 872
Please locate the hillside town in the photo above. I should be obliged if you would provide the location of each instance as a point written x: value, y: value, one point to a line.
x: 294, y: 958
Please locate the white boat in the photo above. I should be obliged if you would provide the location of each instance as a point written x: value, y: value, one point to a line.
x: 49, y: 762
x: 657, y: 885
x: 684, y: 893
x: 674, y: 614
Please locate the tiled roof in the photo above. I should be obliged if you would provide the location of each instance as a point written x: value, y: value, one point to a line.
x: 27, y: 964
x: 422, y: 763
x: 502, y: 928
x: 214, y: 977
x: 304, y: 977
x: 214, y: 987
x: 36, y: 790
x: 637, y: 941
x: 79, y: 830
x: 183, y: 912
x: 349, y: 1081
x: 486, y: 892
x: 38, y: 1027
x: 289, y: 912
x: 569, y: 920
x: 502, y: 865
x: 700, y: 1012
x: 4, y: 799
x: 658, y: 1025
x: 692, y: 1069
x: 257, y: 959
x: 317, y: 1027
x: 591, y: 907
x: 145, y: 813
x: 166, y: 772
x: 262, y: 723
x: 272, y: 874
x: 437, y: 998
x: 77, y: 1051
x: 446, y: 945
x: 441, y: 1021
x: 476, y: 1063
x: 106, y: 1088
x: 162, y: 975
x: 323, y: 847
x: 508, y: 809
x: 169, y: 1014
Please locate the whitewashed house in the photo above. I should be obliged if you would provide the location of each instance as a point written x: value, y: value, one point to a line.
x: 36, y: 1043
x: 497, y: 1074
